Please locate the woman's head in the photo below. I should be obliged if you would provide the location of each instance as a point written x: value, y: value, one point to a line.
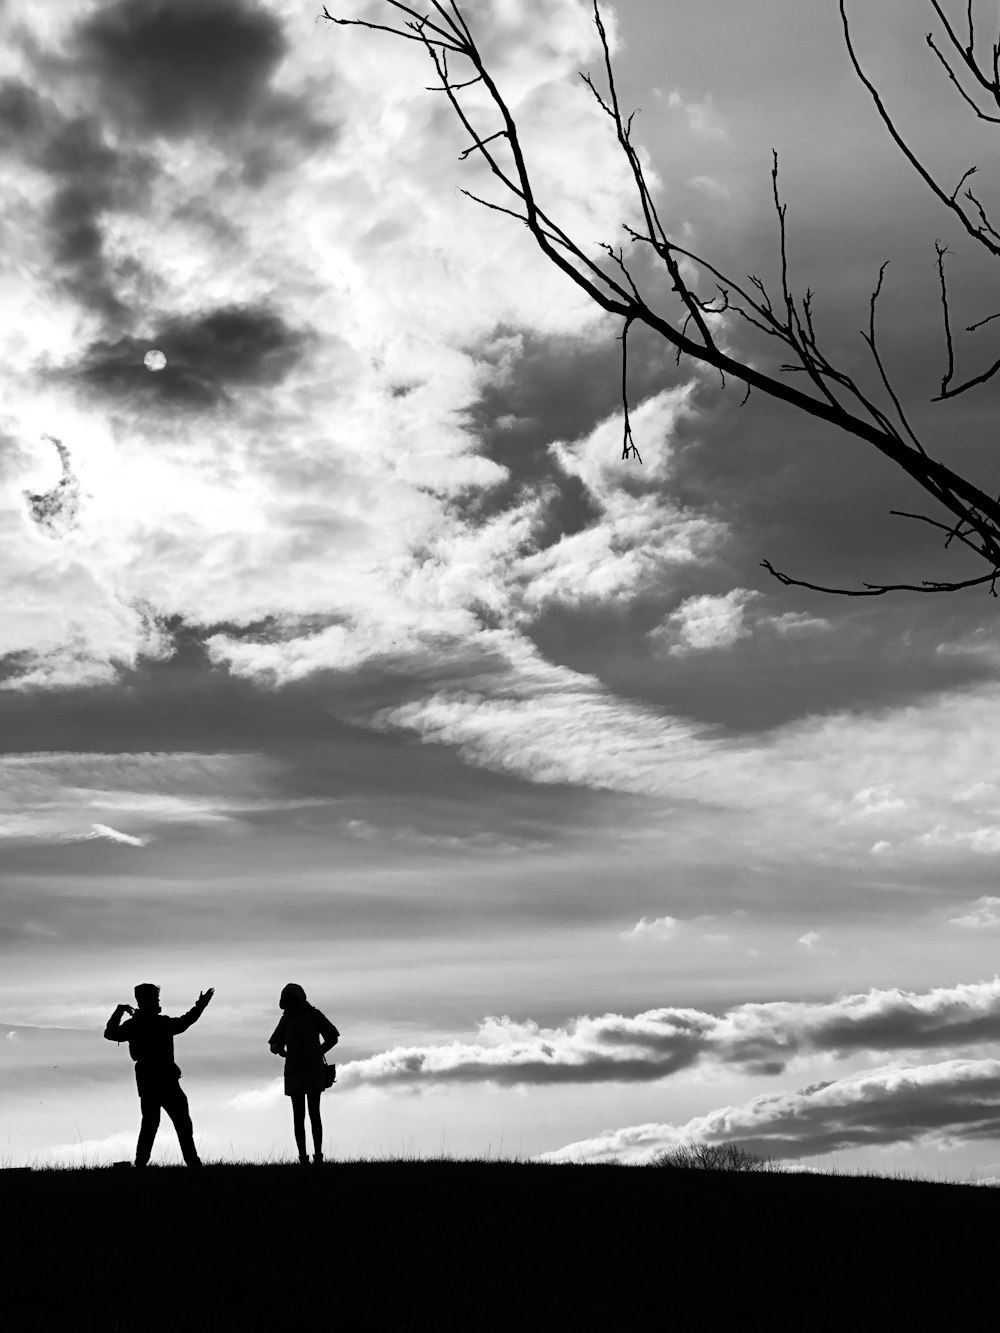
x: 292, y: 996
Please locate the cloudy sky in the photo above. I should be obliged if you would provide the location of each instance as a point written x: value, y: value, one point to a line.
x: 346, y: 650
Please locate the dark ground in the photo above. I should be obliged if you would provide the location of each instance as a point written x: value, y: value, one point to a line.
x: 488, y: 1246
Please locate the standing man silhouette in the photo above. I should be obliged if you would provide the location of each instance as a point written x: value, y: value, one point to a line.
x: 150, y: 1036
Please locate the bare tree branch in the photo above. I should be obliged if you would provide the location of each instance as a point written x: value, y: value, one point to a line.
x: 951, y: 74
x: 419, y: 23
x: 878, y: 589
x: 966, y: 53
x: 835, y: 398
x: 977, y: 233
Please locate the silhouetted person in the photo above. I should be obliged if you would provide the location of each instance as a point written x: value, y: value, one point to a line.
x: 303, y: 1037
x: 150, y: 1036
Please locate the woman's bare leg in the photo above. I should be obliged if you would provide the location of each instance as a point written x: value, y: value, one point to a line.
x: 299, y: 1123
x: 316, y: 1121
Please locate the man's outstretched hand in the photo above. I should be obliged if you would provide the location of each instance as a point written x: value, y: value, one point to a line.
x: 206, y: 995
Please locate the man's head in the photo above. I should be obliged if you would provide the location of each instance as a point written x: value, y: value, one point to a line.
x: 147, y: 997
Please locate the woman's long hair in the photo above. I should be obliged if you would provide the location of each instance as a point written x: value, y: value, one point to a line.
x: 292, y: 997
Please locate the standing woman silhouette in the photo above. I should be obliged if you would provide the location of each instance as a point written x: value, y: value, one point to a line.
x: 303, y: 1037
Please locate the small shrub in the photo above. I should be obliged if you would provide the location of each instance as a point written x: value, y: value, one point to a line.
x: 714, y: 1157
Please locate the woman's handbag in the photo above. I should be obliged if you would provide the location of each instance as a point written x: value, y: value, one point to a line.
x: 329, y: 1074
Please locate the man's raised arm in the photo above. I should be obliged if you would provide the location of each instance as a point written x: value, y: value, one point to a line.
x: 195, y: 1012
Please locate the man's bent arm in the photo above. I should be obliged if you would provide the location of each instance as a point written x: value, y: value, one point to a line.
x: 114, y: 1030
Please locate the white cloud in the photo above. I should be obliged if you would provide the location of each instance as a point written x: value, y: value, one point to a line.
x: 811, y: 786
x: 979, y: 793
x: 701, y: 116
x: 877, y: 800
x: 715, y: 188
x: 707, y: 622
x: 114, y: 835
x: 946, y: 1104
x: 796, y: 622
x: 985, y: 914
x: 94, y: 1152
x: 809, y: 939
x: 761, y: 1039
x: 986, y: 841
x: 257, y: 1099
x: 660, y: 928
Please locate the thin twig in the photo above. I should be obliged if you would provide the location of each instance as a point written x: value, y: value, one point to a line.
x: 942, y: 250
x: 878, y: 589
x: 628, y: 444
x: 951, y: 74
x: 870, y: 340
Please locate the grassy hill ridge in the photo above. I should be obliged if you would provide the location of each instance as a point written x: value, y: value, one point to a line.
x: 490, y: 1245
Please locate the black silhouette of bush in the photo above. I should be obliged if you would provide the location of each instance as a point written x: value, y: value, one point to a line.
x: 714, y: 1157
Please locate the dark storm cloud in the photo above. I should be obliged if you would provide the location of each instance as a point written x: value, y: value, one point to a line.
x: 175, y: 67
x: 207, y: 355
x: 89, y: 178
x: 92, y: 178
x: 200, y: 67
x: 23, y: 115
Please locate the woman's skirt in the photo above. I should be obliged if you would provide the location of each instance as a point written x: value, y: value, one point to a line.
x: 304, y: 1075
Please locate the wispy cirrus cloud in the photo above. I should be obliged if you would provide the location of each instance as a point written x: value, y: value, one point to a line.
x: 115, y: 835
x: 54, y: 797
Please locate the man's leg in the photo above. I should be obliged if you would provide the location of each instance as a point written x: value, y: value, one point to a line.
x: 149, y: 1103
x: 316, y: 1121
x: 299, y: 1124
x: 175, y: 1103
